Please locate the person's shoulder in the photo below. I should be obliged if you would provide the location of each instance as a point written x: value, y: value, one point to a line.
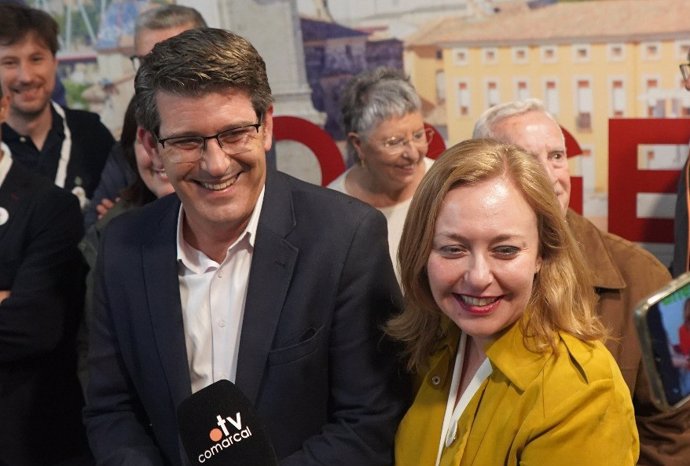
x: 308, y: 195
x: 339, y: 183
x: 632, y: 260
x: 87, y: 123
x: 42, y: 189
x: 591, y: 358
x: 579, y: 369
x: 45, y: 206
x: 635, y: 263
x: 139, y: 223
x: 81, y: 115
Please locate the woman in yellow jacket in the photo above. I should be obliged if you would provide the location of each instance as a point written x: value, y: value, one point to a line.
x: 499, y: 324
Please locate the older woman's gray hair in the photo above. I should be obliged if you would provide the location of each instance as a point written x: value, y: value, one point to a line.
x: 372, y: 97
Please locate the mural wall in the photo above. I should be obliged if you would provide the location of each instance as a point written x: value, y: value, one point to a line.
x: 590, y: 61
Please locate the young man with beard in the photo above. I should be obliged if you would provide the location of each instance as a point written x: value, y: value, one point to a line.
x: 67, y: 146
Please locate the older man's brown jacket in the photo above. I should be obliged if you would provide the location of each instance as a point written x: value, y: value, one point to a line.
x: 624, y: 274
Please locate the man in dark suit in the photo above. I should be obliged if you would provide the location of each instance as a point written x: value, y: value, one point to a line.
x: 41, y: 296
x: 275, y: 284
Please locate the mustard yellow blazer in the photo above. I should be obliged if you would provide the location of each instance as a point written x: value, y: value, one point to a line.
x: 533, y: 410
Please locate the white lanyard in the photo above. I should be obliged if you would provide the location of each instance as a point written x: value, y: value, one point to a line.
x: 454, y: 411
x: 66, y: 149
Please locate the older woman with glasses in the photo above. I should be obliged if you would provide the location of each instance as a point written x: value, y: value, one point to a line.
x: 387, y: 142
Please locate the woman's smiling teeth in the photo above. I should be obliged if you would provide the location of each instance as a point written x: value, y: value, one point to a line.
x: 220, y: 186
x: 474, y: 301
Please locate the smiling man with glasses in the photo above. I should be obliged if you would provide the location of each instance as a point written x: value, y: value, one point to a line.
x: 246, y: 274
x: 233, y: 141
x: 387, y: 145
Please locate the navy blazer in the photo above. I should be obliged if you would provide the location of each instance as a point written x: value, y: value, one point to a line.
x: 312, y: 356
x: 40, y: 396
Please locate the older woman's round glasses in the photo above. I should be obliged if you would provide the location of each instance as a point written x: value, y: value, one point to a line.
x: 186, y: 149
x: 420, y: 139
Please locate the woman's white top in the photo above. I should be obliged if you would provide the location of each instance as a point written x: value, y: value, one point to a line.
x: 395, y: 214
x: 453, y: 411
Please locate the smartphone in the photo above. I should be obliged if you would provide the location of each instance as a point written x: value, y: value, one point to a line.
x: 663, y: 325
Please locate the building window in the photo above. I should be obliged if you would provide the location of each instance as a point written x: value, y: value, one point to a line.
x: 615, y: 52
x: 551, y: 101
x: 583, y: 104
x: 520, y: 55
x: 493, y: 97
x: 490, y: 56
x: 463, y: 94
x: 581, y: 53
x: 548, y: 54
x: 439, y: 54
x: 521, y: 89
x: 617, y: 98
x: 682, y: 50
x: 461, y: 56
x: 651, y: 50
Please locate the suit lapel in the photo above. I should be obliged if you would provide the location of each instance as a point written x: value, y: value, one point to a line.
x: 273, y: 263
x: 159, y: 259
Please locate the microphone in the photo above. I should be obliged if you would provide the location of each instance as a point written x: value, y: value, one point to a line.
x: 218, y: 426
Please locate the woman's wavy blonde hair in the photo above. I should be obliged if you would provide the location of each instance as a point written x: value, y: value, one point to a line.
x: 563, y: 297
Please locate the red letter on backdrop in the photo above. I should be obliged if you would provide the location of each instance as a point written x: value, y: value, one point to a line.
x: 322, y: 146
x: 626, y: 180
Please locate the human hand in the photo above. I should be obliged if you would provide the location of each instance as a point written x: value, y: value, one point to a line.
x: 104, y: 206
x: 4, y: 294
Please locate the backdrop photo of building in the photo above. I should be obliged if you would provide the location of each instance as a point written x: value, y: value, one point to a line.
x: 589, y: 61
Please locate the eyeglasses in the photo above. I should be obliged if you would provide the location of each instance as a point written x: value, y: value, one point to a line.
x: 420, y: 139
x: 188, y: 149
x: 685, y: 70
x: 136, y: 61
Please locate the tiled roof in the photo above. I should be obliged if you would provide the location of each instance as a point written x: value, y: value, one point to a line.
x: 602, y: 20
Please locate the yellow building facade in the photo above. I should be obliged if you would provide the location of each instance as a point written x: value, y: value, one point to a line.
x: 588, y: 61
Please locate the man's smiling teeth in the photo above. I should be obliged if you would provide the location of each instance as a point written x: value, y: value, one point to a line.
x: 472, y: 301
x: 220, y: 186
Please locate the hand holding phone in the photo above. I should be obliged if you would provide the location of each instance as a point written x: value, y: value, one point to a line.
x: 663, y: 325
